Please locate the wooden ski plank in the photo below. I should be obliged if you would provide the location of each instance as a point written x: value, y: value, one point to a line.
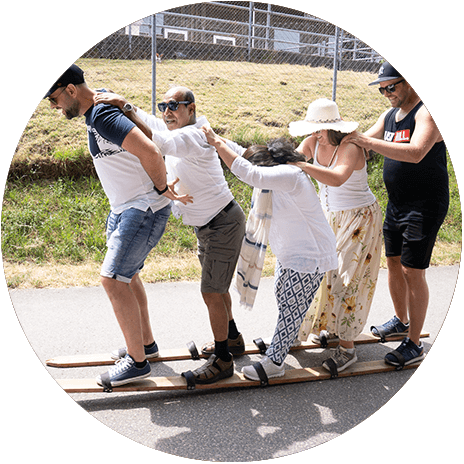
x: 237, y: 380
x: 104, y: 359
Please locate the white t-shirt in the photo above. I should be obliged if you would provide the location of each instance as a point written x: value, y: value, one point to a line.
x: 189, y: 157
x: 300, y: 235
x: 124, y: 180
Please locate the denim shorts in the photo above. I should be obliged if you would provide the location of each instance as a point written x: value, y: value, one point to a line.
x: 131, y: 235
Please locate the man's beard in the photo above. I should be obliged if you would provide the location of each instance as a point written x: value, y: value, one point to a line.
x: 73, y: 111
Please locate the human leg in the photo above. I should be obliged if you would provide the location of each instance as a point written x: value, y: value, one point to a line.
x: 139, y: 291
x: 294, y: 293
x: 347, y: 344
x: 131, y: 236
x: 220, y: 364
x: 393, y: 232
x: 418, y: 299
x: 415, y: 259
x: 127, y: 311
x: 218, y: 315
x: 399, y: 293
x: 398, y: 287
x: 411, y: 349
x: 219, y: 244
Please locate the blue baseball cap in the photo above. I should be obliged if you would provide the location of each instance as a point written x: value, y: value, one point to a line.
x: 73, y: 75
x: 386, y: 73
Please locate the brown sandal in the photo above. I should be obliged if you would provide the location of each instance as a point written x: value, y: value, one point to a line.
x: 213, y: 370
x: 236, y: 346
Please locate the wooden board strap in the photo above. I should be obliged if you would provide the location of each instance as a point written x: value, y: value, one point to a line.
x: 264, y: 381
x: 193, y: 351
x: 106, y: 382
x: 260, y: 345
x: 190, y: 378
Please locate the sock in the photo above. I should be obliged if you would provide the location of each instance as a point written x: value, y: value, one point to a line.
x: 140, y: 365
x: 151, y: 345
x: 233, y: 331
x: 221, y: 350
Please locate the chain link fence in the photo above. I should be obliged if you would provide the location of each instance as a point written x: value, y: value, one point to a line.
x: 253, y: 67
x: 262, y: 63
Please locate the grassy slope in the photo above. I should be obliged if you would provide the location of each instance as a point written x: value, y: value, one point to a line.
x: 52, y: 230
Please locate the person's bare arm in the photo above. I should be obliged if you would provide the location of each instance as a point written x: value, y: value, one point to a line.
x: 119, y: 101
x: 307, y: 147
x: 149, y: 155
x: 152, y: 161
x: 349, y: 157
x: 425, y: 135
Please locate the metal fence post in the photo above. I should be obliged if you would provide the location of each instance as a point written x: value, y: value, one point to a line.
x: 224, y: 39
x: 250, y: 29
x: 153, y: 64
x: 335, y: 65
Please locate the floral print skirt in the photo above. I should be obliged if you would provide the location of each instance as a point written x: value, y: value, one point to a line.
x: 344, y: 298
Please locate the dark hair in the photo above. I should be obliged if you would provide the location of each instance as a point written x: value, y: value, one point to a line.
x: 275, y: 152
x: 335, y: 137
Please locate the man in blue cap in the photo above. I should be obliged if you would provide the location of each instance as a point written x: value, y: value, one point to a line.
x: 416, y: 177
x: 132, y: 172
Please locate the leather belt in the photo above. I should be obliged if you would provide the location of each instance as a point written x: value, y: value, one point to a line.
x: 224, y: 210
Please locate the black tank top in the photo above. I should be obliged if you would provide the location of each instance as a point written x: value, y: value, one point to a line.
x: 421, y: 187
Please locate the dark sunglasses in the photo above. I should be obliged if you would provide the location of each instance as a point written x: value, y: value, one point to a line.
x: 389, y: 88
x: 172, y: 105
x: 52, y: 100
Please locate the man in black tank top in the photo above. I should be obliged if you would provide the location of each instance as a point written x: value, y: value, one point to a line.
x: 416, y: 177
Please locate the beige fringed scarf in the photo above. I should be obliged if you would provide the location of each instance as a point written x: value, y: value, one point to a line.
x: 251, y: 260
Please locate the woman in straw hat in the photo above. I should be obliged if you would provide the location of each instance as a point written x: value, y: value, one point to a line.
x: 343, y: 301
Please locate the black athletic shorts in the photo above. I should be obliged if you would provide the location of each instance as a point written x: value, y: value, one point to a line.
x: 412, y: 237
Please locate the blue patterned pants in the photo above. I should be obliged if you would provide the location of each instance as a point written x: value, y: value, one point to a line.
x: 294, y: 292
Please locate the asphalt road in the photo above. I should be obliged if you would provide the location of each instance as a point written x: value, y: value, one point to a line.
x: 222, y: 425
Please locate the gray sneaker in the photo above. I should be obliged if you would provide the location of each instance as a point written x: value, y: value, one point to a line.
x: 341, y: 358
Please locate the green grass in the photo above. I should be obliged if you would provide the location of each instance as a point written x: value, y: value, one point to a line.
x: 246, y: 102
x: 54, y: 209
x: 63, y: 221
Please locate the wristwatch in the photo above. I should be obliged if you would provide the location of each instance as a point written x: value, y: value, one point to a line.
x: 160, y: 192
x: 127, y: 107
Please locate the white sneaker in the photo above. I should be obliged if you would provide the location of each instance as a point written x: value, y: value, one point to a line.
x: 272, y: 370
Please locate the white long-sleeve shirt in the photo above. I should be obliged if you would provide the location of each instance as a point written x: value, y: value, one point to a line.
x: 196, y: 163
x: 300, y: 235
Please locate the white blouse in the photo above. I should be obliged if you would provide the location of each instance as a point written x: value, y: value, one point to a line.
x: 300, y: 235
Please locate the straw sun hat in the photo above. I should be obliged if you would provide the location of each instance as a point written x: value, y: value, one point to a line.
x: 322, y: 114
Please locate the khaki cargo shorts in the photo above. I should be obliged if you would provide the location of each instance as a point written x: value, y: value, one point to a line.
x: 219, y: 244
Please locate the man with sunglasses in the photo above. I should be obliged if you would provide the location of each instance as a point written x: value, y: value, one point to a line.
x: 133, y: 175
x: 416, y: 177
x: 218, y: 220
